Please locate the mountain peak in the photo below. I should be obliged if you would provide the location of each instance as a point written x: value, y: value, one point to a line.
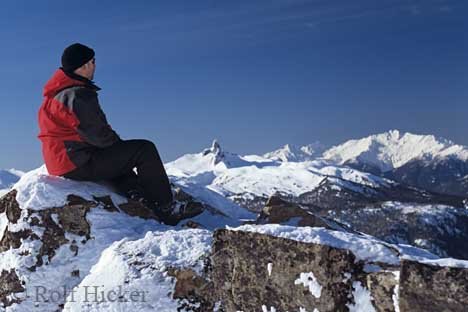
x: 394, y: 134
x: 293, y: 153
x: 216, y: 151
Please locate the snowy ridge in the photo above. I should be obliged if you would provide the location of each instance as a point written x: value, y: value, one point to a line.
x: 392, y: 149
x: 364, y: 247
x: 298, y: 154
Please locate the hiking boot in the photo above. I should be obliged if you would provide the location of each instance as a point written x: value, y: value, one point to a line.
x: 136, y: 195
x: 177, y: 211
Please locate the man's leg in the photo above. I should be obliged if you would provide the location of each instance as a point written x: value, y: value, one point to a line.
x: 116, y: 163
x: 127, y: 182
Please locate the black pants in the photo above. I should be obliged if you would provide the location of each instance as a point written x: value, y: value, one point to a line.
x: 115, y: 164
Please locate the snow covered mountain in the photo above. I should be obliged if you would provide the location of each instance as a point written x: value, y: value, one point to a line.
x: 253, y: 177
x: 424, y: 161
x: 297, y: 154
x: 392, y: 149
x: 250, y: 180
x: 382, y: 152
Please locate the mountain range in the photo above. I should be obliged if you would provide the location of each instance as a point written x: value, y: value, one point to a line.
x: 424, y: 161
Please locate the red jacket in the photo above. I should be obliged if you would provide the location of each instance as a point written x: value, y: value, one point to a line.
x: 72, y: 124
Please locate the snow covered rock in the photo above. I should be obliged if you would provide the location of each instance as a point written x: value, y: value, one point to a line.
x: 49, y: 249
x: 53, y: 230
x: 157, y: 272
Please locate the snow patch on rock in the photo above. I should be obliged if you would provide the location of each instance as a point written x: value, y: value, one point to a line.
x: 362, y: 299
x: 310, y: 281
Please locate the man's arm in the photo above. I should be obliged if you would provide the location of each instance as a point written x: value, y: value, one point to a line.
x: 93, y: 127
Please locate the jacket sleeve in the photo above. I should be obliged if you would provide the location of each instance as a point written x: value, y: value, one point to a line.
x: 93, y: 127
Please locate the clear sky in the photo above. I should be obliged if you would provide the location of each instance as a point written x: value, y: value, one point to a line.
x: 253, y: 74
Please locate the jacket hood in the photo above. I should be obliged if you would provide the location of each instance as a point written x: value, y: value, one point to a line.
x: 60, y: 80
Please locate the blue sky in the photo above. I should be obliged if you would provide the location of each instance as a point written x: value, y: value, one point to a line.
x: 253, y: 74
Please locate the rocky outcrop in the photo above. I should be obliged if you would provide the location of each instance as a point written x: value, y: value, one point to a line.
x: 382, y: 286
x: 48, y: 227
x: 426, y: 287
x: 255, y: 272
x: 194, y: 292
x: 10, y: 207
x: 9, y: 284
x: 252, y: 270
x: 249, y: 271
x: 51, y: 226
x: 36, y: 241
x: 279, y: 211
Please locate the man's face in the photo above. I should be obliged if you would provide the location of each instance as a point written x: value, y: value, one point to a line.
x: 87, y: 70
x: 91, y: 68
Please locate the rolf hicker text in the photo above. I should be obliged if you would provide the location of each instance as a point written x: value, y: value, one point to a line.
x: 88, y: 294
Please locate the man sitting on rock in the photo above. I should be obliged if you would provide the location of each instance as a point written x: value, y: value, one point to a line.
x: 78, y: 143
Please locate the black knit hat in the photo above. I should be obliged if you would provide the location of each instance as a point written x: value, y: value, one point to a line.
x: 75, y: 56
